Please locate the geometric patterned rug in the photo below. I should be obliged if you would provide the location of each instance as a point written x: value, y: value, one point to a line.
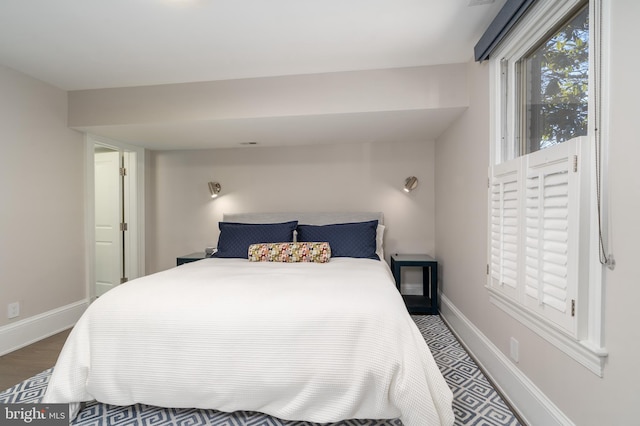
x: 475, y: 401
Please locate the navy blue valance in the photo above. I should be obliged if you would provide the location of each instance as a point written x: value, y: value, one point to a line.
x: 510, y: 13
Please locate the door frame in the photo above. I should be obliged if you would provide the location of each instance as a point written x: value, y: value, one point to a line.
x: 135, y: 236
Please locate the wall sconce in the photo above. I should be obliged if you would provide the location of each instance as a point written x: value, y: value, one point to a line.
x: 410, y: 184
x: 214, y: 189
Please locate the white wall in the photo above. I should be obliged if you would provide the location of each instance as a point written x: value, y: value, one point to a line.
x: 395, y: 89
x: 182, y: 218
x: 42, y: 196
x: 462, y: 156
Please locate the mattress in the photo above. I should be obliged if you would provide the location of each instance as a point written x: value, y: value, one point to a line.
x: 298, y: 341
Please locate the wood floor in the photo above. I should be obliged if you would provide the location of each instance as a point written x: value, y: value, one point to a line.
x: 30, y: 360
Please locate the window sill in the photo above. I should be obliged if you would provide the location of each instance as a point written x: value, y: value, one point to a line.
x: 585, y: 352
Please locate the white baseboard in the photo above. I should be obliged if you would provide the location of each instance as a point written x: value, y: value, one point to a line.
x: 30, y: 330
x: 533, y: 406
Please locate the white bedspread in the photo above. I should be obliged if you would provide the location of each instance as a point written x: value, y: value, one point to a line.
x: 298, y: 341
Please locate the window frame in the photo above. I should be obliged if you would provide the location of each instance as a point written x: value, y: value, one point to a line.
x: 586, y: 345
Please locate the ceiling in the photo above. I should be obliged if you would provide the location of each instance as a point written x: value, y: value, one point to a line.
x: 91, y: 44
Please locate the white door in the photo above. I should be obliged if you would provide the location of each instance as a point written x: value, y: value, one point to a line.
x: 108, y: 216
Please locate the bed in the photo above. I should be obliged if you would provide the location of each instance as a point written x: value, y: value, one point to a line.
x: 319, y: 341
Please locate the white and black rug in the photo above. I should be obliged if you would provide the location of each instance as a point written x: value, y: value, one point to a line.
x: 475, y: 401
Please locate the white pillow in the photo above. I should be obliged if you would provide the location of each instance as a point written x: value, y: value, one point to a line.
x: 379, y: 235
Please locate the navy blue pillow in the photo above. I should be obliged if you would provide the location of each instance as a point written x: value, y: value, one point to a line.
x: 235, y: 238
x: 346, y: 239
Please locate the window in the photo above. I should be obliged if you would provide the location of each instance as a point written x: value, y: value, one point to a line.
x: 543, y: 254
x: 556, y: 81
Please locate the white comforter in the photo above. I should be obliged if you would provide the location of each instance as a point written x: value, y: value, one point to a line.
x: 298, y: 341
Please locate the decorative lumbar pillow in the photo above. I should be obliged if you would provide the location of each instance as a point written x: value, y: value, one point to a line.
x: 290, y: 252
x: 346, y: 239
x: 235, y: 238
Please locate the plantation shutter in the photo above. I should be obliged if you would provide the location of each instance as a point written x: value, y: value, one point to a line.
x: 535, y: 203
x: 505, y: 200
x: 552, y: 232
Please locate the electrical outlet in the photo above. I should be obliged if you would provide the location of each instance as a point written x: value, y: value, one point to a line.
x: 13, y: 310
x: 515, y: 350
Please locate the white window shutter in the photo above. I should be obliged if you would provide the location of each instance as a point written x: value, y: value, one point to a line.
x: 552, y: 240
x: 534, y: 252
x: 505, y: 227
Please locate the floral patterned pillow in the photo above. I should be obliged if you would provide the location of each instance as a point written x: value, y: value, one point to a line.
x: 290, y: 252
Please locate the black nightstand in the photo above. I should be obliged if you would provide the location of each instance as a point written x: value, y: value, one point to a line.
x: 190, y: 258
x: 428, y: 302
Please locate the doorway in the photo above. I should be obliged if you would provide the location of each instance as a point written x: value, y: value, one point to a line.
x: 110, y: 253
x: 115, y: 214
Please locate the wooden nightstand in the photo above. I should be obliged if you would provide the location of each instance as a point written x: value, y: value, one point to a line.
x: 428, y: 302
x: 190, y: 258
